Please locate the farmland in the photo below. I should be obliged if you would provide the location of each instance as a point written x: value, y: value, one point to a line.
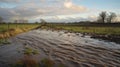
x: 106, y: 29
x: 102, y: 29
x: 7, y: 30
x: 59, y: 33
x: 5, y: 27
x: 99, y: 30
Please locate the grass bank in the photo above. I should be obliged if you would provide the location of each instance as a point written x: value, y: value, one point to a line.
x: 8, y: 30
x: 109, y: 32
x: 96, y: 29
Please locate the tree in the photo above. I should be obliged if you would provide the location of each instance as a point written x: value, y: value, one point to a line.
x: 36, y: 22
x: 111, y: 17
x: 43, y: 22
x: 102, y: 16
x: 1, y: 19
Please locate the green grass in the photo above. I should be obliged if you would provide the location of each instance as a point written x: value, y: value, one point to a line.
x: 4, y: 41
x: 105, y: 29
x: 8, y: 30
x: 30, y: 51
x: 90, y: 29
x: 5, y: 27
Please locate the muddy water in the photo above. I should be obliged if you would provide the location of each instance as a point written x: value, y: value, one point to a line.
x: 72, y: 49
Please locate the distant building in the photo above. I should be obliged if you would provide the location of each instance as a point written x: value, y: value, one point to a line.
x: 21, y: 21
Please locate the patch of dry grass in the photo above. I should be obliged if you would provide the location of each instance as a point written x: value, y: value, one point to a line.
x: 14, y: 29
x: 13, y: 32
x: 27, y: 61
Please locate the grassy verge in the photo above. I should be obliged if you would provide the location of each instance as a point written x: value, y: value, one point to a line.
x: 104, y: 30
x: 8, y: 30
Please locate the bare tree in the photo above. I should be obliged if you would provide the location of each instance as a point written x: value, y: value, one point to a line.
x: 111, y: 17
x: 102, y: 16
x: 43, y: 22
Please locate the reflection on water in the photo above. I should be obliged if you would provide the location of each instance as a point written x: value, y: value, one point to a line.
x: 73, y: 50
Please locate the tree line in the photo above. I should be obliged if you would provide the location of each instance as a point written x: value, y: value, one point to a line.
x: 105, y: 17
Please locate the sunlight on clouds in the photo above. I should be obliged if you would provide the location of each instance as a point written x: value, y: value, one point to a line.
x: 54, y: 9
x: 32, y: 9
x: 68, y: 4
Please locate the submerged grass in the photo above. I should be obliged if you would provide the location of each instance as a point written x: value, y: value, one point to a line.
x: 30, y: 51
x: 4, y: 41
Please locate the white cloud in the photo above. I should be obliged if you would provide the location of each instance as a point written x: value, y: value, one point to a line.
x: 10, y: 1
x: 70, y: 5
x: 30, y: 9
x: 117, y: 18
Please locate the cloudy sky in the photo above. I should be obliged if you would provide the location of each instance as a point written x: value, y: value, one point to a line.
x: 56, y: 10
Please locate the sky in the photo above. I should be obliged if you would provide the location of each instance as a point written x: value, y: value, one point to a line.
x: 57, y: 10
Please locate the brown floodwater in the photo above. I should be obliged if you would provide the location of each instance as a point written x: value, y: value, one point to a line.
x: 70, y: 49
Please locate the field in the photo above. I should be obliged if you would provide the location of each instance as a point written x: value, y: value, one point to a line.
x: 5, y: 27
x: 7, y: 30
x: 102, y: 29
x: 105, y: 31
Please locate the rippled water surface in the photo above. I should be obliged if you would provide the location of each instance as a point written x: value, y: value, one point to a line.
x: 71, y: 49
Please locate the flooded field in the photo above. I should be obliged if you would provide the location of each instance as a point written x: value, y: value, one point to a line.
x: 70, y: 49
